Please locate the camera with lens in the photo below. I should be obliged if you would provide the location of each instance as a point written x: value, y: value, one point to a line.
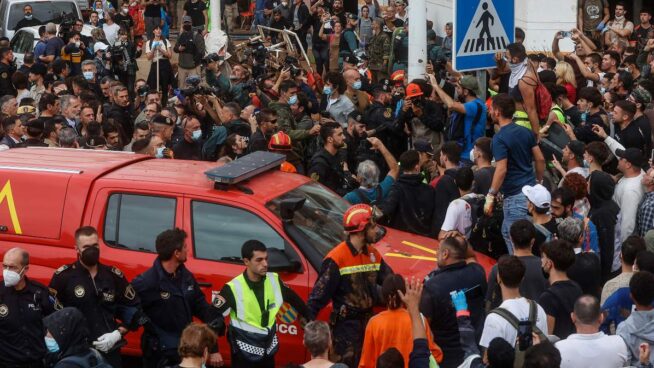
x: 196, y: 89
x: 292, y: 65
x: 143, y: 90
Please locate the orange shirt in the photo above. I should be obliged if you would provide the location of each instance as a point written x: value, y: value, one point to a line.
x: 392, y: 328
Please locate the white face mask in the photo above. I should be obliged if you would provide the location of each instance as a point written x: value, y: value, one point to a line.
x: 11, y: 278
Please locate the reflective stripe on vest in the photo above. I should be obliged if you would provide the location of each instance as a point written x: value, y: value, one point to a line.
x: 247, y: 314
x: 522, y: 119
x: 360, y: 268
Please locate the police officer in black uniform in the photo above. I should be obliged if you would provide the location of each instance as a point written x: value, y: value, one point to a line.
x: 328, y: 166
x: 101, y: 293
x: 23, y: 304
x: 171, y: 298
x: 381, y: 120
x: 7, y: 69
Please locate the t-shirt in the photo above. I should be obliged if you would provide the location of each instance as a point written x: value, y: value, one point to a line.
x: 533, y: 284
x: 632, y: 136
x: 541, y: 236
x: 593, y: 12
x: 587, y: 272
x: 372, y: 194
x: 483, y: 179
x: 514, y: 143
x: 558, y: 301
x: 497, y: 326
x: 458, y: 216
x: 593, y: 350
x: 196, y: 11
x: 641, y: 35
x: 573, y: 115
x: 152, y: 10
x: 53, y: 47
x: 111, y: 31
x: 471, y: 136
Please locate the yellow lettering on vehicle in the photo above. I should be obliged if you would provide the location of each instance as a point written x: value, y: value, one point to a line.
x: 410, y: 256
x: 6, y: 193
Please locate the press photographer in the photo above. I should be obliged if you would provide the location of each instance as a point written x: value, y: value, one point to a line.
x: 123, y: 60
x: 190, y: 47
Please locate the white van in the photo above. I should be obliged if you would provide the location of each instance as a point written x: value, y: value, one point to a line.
x: 11, y: 11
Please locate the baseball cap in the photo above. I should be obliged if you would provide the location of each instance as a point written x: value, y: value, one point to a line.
x: 356, y: 116
x: 641, y: 95
x: 100, y: 46
x: 382, y: 85
x: 470, y: 82
x: 538, y: 195
x: 633, y: 155
x: 187, y: 19
x: 160, y: 119
x: 352, y: 16
x: 351, y: 59
x: 424, y: 147
x: 39, y: 69
x: 577, y: 147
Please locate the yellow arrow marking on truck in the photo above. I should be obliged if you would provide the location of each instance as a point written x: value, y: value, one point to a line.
x: 6, y: 193
x: 410, y: 256
x: 417, y: 246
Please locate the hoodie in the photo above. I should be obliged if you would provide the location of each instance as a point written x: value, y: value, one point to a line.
x: 409, y: 205
x: 604, y: 214
x: 638, y: 328
x: 68, y: 328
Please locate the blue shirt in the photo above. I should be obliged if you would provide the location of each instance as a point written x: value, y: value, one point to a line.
x: 514, y: 143
x: 470, y: 136
x: 371, y: 194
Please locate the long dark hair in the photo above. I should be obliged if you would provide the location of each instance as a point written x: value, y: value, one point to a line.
x: 392, y: 284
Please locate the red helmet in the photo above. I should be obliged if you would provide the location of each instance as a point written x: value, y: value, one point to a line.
x: 356, y: 218
x: 413, y: 90
x: 398, y: 76
x: 280, y: 141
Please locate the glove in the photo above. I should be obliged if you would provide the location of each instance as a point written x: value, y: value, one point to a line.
x: 600, y: 26
x: 459, y: 300
x: 105, y: 342
x: 489, y: 204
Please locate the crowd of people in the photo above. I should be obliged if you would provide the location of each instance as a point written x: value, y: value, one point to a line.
x: 552, y: 175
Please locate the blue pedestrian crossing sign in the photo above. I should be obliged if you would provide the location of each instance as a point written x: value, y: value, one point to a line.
x: 481, y: 29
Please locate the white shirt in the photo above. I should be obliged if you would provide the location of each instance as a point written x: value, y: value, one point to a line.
x: 458, y: 216
x: 496, y: 326
x: 165, y: 45
x: 593, y: 351
x: 111, y: 31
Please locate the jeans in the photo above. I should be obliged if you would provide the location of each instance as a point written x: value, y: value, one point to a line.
x: 515, y: 208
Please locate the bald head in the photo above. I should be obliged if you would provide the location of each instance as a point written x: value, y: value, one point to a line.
x: 16, y: 257
x: 351, y: 76
x: 587, y: 310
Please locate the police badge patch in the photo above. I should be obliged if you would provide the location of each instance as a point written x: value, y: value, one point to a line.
x: 130, y: 293
x: 388, y: 113
x: 79, y: 291
x: 165, y: 295
x: 217, y: 300
x: 4, y: 310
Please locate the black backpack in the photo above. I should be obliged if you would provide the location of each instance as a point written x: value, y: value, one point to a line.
x: 456, y: 130
x: 92, y: 359
x: 486, y: 234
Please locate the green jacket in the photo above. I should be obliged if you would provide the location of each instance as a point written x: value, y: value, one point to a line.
x: 379, y: 50
x: 286, y: 123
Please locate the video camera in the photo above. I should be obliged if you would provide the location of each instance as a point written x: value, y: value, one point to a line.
x: 66, y: 24
x: 195, y: 88
x: 292, y: 65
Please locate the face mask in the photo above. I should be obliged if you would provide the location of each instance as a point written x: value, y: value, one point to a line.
x: 539, y: 69
x: 586, y: 164
x: 88, y: 75
x: 77, y: 43
x: 584, y: 116
x: 357, y: 85
x: 12, y: 278
x: 90, y: 256
x: 233, y: 77
x: 472, y: 155
x: 125, y: 10
x: 159, y: 153
x: 602, y: 90
x: 292, y: 100
x: 197, y: 134
x: 187, y: 27
x: 28, y: 16
x: 362, y: 71
x: 284, y: 3
x: 51, y: 344
x: 327, y: 91
x: 99, y: 11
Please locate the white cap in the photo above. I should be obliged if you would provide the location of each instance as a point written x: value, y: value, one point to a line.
x: 538, y: 195
x: 99, y: 46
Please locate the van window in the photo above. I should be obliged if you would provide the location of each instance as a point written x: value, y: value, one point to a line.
x: 220, y: 231
x: 22, y: 42
x: 44, y: 11
x: 134, y: 221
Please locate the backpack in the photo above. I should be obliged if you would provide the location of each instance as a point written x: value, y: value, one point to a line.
x: 519, y: 356
x: 456, y: 131
x: 363, y: 196
x: 92, y: 359
x: 486, y: 234
x: 543, y: 100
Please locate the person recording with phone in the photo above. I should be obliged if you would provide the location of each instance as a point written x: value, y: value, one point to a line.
x: 159, y: 51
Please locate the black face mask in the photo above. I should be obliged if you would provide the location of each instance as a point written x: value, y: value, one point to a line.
x: 90, y: 256
x: 546, y: 274
x: 187, y: 27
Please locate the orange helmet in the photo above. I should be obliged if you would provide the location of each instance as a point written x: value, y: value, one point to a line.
x: 413, y: 90
x: 397, y: 76
x: 356, y: 218
x: 280, y: 141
